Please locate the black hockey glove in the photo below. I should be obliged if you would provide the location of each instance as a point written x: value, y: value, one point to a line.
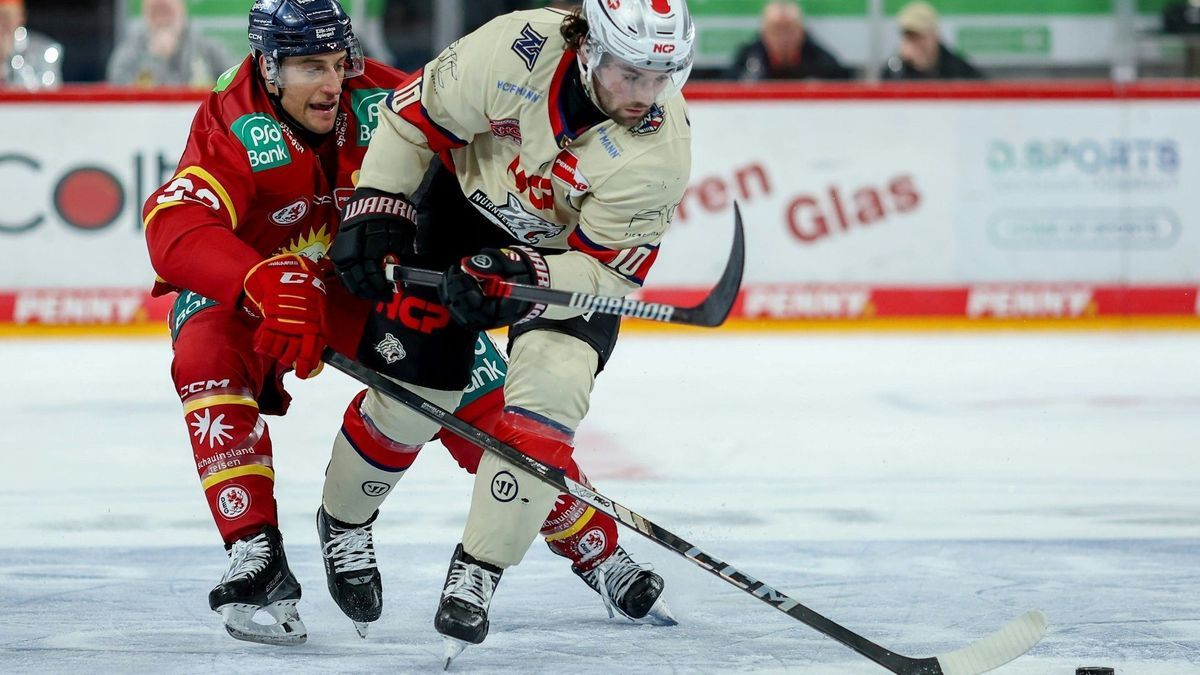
x: 474, y: 293
x: 375, y: 225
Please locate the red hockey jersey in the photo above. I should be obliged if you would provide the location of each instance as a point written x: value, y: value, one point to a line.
x: 249, y: 187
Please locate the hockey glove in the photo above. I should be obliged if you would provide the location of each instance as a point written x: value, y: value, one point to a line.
x: 287, y: 293
x: 375, y: 225
x: 474, y: 293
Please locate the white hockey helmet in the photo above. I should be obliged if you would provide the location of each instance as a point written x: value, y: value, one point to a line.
x: 653, y: 35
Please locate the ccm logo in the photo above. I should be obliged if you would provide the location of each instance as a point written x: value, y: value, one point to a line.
x: 197, y: 387
x: 293, y: 278
x: 301, y: 278
x: 664, y: 48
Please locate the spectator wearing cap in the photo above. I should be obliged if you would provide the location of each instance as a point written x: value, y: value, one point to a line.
x: 28, y: 60
x: 166, y: 49
x: 922, y: 56
x: 785, y: 50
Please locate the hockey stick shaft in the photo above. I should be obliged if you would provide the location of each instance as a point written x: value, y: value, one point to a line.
x: 710, y: 312
x: 969, y: 660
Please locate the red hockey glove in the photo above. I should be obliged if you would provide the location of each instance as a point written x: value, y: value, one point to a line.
x: 287, y: 292
x: 474, y: 291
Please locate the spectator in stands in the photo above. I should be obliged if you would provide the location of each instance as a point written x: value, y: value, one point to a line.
x: 28, y: 60
x: 922, y: 56
x: 785, y: 51
x: 166, y: 49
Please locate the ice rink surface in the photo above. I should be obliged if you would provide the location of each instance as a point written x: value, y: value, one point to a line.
x: 919, y: 489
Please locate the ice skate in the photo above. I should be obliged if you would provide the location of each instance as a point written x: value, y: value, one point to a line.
x: 462, y: 616
x: 257, y: 579
x: 630, y: 588
x: 350, y: 569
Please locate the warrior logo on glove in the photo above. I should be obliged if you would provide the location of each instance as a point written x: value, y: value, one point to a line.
x: 375, y: 226
x: 476, y: 291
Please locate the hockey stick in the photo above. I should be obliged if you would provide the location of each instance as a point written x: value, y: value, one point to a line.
x: 711, y: 312
x: 1011, y: 641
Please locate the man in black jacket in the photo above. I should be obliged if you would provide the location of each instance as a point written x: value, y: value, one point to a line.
x: 922, y: 56
x: 785, y: 51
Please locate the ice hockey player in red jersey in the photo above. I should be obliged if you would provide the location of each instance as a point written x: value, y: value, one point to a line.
x: 545, y: 148
x: 240, y: 232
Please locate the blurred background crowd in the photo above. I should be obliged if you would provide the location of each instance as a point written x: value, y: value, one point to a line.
x: 190, y: 42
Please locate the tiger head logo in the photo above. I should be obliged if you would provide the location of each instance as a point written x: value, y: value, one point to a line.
x: 390, y: 348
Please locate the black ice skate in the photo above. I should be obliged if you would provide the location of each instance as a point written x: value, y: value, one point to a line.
x: 462, y: 616
x: 630, y: 588
x: 354, y: 581
x: 258, y: 578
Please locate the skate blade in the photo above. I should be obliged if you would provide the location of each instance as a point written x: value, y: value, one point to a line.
x: 287, y: 631
x: 451, y: 648
x: 660, y: 614
x: 362, y: 627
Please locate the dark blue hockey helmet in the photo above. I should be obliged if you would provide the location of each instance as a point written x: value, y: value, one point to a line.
x: 283, y: 28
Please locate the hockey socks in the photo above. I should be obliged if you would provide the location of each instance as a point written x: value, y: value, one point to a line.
x: 573, y: 529
x: 507, y: 506
x: 579, y: 533
x: 364, y: 467
x: 232, y: 450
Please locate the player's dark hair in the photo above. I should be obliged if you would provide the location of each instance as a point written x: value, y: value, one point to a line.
x: 574, y: 29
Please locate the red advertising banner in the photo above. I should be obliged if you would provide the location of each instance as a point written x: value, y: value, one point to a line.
x: 937, y: 306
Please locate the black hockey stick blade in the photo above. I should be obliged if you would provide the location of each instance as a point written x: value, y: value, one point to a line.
x: 711, y: 312
x: 1016, y: 638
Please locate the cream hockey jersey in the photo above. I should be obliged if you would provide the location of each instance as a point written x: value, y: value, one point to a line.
x: 490, y: 107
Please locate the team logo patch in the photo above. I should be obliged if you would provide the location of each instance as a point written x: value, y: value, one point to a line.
x: 292, y: 213
x: 509, y: 128
x: 504, y: 487
x: 652, y: 122
x: 262, y: 137
x: 312, y: 244
x: 592, y: 543
x: 365, y: 103
x: 233, y: 501
x: 390, y: 348
x: 513, y: 217
x: 529, y: 46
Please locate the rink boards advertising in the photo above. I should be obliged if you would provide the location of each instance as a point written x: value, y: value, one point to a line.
x: 912, y: 206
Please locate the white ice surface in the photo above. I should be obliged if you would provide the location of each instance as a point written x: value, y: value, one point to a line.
x: 921, y: 490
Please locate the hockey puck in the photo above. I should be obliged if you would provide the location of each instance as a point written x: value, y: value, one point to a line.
x: 1095, y: 670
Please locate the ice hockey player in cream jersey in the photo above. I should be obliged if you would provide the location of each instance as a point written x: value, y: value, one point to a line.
x: 494, y: 106
x: 544, y: 148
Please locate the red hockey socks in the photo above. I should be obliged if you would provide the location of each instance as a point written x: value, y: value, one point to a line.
x: 232, y: 449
